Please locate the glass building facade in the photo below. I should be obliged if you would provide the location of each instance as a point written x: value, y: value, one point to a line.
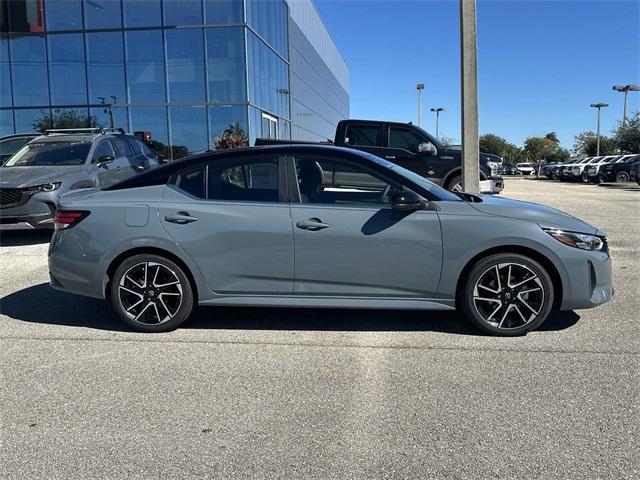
x: 182, y: 70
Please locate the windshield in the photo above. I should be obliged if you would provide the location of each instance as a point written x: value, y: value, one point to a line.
x: 415, y: 178
x: 50, y: 154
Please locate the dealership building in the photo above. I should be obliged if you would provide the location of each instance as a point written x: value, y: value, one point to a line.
x: 182, y: 70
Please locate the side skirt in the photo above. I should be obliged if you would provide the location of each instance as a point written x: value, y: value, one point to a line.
x: 388, y: 303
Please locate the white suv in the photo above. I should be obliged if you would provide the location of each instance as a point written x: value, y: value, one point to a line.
x: 593, y: 170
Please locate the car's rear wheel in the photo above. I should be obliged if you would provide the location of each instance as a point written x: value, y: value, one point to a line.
x: 151, y: 293
x: 622, y: 177
x: 507, y: 294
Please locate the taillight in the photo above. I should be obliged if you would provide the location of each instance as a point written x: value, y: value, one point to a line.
x: 69, y: 218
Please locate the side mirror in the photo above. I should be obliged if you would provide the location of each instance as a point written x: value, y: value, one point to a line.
x: 407, y: 200
x: 104, y: 160
x: 428, y: 148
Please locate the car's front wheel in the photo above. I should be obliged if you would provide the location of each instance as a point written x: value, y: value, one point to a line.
x: 151, y: 293
x: 507, y: 294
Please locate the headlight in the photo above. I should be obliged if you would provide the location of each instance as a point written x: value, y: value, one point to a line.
x: 46, y: 187
x: 493, y: 166
x: 579, y: 240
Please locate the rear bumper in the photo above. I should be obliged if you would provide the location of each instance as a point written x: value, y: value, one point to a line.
x: 492, y: 185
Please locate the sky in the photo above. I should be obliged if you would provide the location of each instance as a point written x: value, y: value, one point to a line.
x: 541, y: 63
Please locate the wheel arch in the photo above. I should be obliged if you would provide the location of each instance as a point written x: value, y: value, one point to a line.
x: 548, y: 265
x: 458, y: 171
x: 117, y: 261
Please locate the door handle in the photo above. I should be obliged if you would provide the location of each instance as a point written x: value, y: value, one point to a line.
x: 181, y: 218
x: 140, y: 167
x: 390, y: 157
x: 313, y: 225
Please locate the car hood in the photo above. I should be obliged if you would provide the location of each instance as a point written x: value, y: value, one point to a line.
x: 19, y: 177
x: 546, y: 217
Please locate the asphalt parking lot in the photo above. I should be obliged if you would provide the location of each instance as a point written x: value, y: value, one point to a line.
x: 276, y: 393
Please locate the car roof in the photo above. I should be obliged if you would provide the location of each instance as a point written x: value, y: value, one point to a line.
x: 19, y: 135
x: 162, y: 174
x: 76, y: 137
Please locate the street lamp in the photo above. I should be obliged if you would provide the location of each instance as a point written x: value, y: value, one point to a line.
x: 599, y: 106
x: 420, y: 88
x: 437, y: 110
x: 626, y: 89
x: 107, y: 108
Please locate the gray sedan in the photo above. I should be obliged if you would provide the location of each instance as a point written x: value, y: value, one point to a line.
x: 319, y: 226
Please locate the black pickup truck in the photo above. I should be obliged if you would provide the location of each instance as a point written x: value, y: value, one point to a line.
x: 413, y: 148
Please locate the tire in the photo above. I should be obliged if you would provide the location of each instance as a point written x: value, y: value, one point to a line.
x: 555, y: 175
x: 162, y: 304
x: 454, y: 184
x: 585, y: 177
x: 504, y: 312
x: 622, y: 177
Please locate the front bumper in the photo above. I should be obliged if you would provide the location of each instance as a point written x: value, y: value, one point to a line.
x: 492, y: 185
x: 36, y: 213
x: 591, y: 282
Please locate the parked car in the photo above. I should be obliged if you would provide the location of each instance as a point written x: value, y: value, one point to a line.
x: 216, y: 229
x: 551, y: 170
x: 509, y: 169
x: 12, y: 143
x: 525, y: 168
x: 566, y: 171
x: 619, y: 171
x: 634, y: 173
x: 413, y: 148
x: 34, y: 178
x: 590, y: 173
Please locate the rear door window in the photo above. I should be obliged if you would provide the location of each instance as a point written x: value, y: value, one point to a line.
x: 362, y: 135
x: 192, y: 182
x: 245, y: 181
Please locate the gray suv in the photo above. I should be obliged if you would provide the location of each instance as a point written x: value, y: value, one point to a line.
x: 50, y: 165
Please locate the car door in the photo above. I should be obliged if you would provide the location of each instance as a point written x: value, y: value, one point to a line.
x: 348, y: 240
x: 232, y: 219
x: 105, y: 173
x: 367, y: 137
x: 402, y: 148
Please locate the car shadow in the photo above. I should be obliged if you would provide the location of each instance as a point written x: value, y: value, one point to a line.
x: 15, y: 238
x: 44, y: 305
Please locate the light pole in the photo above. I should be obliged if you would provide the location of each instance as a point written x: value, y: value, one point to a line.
x: 469, y: 77
x: 626, y: 89
x: 599, y: 106
x: 420, y: 88
x: 437, y: 110
x: 107, y: 108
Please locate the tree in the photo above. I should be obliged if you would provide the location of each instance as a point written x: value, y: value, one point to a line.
x: 496, y: 145
x: 64, y: 119
x: 539, y: 149
x: 627, y: 135
x: 232, y: 137
x: 586, y: 144
x: 447, y: 141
